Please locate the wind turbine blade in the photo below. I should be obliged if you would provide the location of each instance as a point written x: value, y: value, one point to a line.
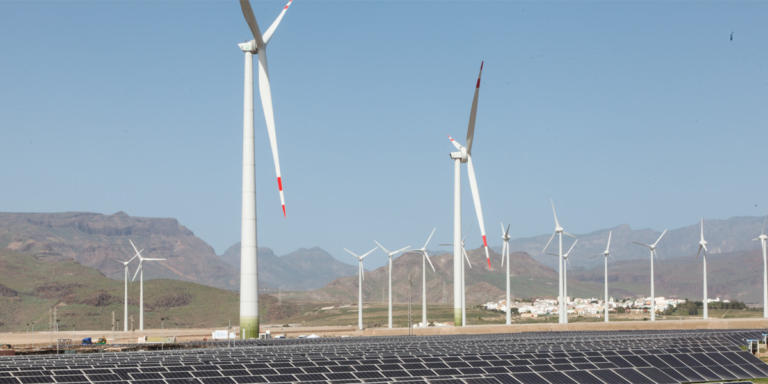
x: 473, y: 113
x: 502, y: 229
x: 137, y: 271
x: 446, y: 245
x: 430, y: 238
x: 574, y: 244
x: 591, y: 257
x: 368, y: 253
x: 466, y: 257
x: 401, y: 249
x: 702, y: 229
x: 555, y: 254
x: 557, y: 223
x: 271, y: 30
x: 507, y: 233
x: 607, y: 247
x: 478, y: 208
x: 351, y: 253
x: 382, y: 248
x: 155, y: 259
x: 705, y: 249
x: 657, y: 256
x: 135, y: 256
x: 265, y: 91
x: 697, y: 253
x: 455, y: 143
x: 609, y: 255
x: 568, y: 234
x: 503, y: 248
x: 550, y: 240
x: 763, y: 232
x: 467, y: 234
x: 134, y: 247
x: 644, y: 245
x: 569, y: 263
x: 430, y: 261
x: 251, y: 20
x: 662, y: 235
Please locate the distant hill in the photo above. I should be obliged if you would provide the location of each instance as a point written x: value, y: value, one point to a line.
x: 304, y: 269
x: 529, y: 278
x: 86, y: 298
x: 731, y: 235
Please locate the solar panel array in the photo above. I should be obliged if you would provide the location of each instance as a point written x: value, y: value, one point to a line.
x: 547, y: 357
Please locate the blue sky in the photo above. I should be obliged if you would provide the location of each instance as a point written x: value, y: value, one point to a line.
x: 624, y: 112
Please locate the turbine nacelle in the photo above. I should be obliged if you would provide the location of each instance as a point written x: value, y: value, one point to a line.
x: 249, y: 46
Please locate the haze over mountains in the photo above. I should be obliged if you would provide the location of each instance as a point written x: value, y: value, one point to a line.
x: 91, y: 238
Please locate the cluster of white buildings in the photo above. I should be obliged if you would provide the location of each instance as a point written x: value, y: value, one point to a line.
x: 587, y: 307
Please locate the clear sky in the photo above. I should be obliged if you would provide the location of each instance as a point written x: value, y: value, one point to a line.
x: 643, y: 113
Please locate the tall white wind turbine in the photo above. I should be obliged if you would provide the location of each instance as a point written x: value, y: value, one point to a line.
x: 360, y: 278
x: 249, y: 277
x: 464, y: 155
x: 424, y: 260
x: 606, y: 254
x: 762, y: 239
x: 125, y: 264
x: 703, y: 245
x: 390, y: 254
x: 140, y: 271
x: 505, y: 255
x: 653, y: 252
x: 566, y: 264
x: 559, y: 231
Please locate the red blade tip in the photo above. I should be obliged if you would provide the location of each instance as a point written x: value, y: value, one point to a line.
x: 284, y: 212
x: 481, y: 65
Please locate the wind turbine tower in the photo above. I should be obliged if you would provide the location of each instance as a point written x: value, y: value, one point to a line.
x: 360, y: 278
x: 559, y: 231
x: 505, y: 255
x: 390, y: 254
x: 763, y: 239
x: 125, y: 264
x: 249, y: 276
x: 424, y: 260
x: 703, y: 245
x: 464, y: 155
x: 140, y: 271
x: 606, y: 254
x: 653, y: 253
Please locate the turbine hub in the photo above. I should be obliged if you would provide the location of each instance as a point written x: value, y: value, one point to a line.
x: 763, y: 237
x: 559, y: 229
x: 249, y: 46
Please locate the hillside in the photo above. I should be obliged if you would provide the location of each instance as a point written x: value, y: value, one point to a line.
x: 731, y: 235
x: 733, y: 275
x: 86, y: 298
x: 302, y: 270
x: 529, y: 278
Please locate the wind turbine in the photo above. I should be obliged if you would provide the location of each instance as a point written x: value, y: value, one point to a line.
x: 424, y: 259
x: 762, y: 239
x: 360, y: 278
x: 559, y: 231
x: 505, y: 254
x: 390, y: 275
x: 703, y: 245
x: 125, y: 263
x: 464, y: 155
x: 249, y: 277
x: 565, y: 273
x: 653, y: 252
x: 462, y: 287
x: 606, y: 254
x: 140, y: 271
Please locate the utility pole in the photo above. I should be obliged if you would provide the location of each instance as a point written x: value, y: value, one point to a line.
x: 113, y: 327
x: 410, y: 320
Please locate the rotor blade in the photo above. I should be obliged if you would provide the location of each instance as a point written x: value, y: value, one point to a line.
x: 702, y: 229
x: 644, y: 245
x: 569, y: 262
x: 503, y: 248
x: 467, y: 234
x: 550, y: 240
x: 134, y: 247
x: 119, y: 261
x: 362, y: 271
x: 568, y: 234
x: 592, y: 257
x: 657, y: 256
x: 609, y: 255
x: 662, y: 235
x: 430, y: 261
x: 697, y: 253
x: 351, y: 253
x: 557, y: 223
x: 382, y: 248
x: 251, y: 20
x: 265, y: 91
x: 271, y: 30
x: 502, y: 229
x: 473, y: 113
x: 401, y: 249
x: 478, y: 208
x: 155, y: 259
x: 705, y: 248
x: 446, y: 245
x: 430, y: 238
x: 555, y: 254
x: 135, y: 256
x: 507, y: 233
x: 607, y: 247
x: 763, y: 232
x: 455, y: 143
x: 466, y: 257
x: 574, y: 244
x: 137, y: 271
x: 368, y: 253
